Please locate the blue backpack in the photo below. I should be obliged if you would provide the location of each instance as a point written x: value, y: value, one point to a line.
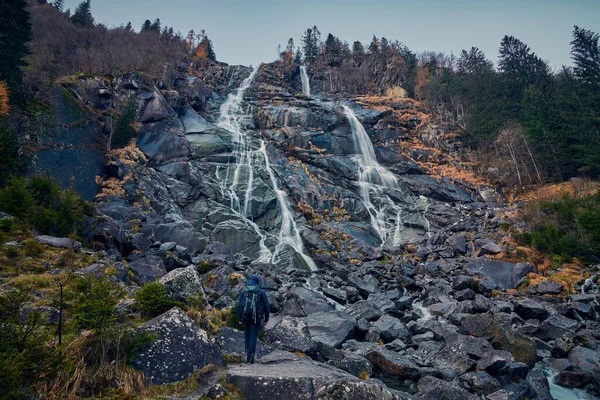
x: 251, y: 302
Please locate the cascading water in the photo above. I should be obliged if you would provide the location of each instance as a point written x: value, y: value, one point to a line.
x: 305, y: 81
x: 373, y: 180
x: 561, y: 392
x: 288, y: 233
x: 239, y: 180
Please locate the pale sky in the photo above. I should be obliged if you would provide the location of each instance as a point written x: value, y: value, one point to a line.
x: 248, y: 32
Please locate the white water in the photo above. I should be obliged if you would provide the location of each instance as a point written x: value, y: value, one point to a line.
x: 373, y: 181
x: 288, y: 233
x: 305, y: 81
x: 424, y: 311
x: 241, y: 175
x: 563, y: 393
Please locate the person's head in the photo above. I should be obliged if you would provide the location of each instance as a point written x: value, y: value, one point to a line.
x: 254, y: 280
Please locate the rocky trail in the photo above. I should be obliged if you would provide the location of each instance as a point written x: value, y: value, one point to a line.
x: 386, y: 278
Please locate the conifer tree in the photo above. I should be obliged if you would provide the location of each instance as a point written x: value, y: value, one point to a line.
x: 59, y: 4
x: 83, y: 14
x: 15, y: 32
x: 310, y: 44
x: 585, y: 53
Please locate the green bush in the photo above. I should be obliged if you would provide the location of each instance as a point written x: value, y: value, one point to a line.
x: 124, y: 129
x: 44, y: 205
x: 95, y: 307
x: 232, y: 318
x: 152, y: 300
x: 567, y: 228
x: 24, y: 357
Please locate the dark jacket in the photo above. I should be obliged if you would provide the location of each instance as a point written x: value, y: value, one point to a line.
x: 263, y: 309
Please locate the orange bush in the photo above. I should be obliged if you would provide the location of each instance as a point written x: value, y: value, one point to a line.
x: 4, y: 105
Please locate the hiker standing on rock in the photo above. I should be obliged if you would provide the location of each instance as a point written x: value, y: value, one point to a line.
x: 253, y: 306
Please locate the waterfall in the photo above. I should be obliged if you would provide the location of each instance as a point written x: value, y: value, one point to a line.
x: 305, y: 81
x: 561, y: 392
x: 239, y: 179
x: 375, y: 183
x: 288, y: 233
x: 373, y: 180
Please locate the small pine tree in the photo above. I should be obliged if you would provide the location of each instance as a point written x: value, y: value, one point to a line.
x: 124, y: 129
x: 83, y: 15
x: 15, y: 32
x: 59, y: 4
x: 146, y: 26
x: 129, y: 27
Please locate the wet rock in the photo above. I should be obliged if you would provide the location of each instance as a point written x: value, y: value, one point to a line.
x: 392, y: 364
x: 502, y: 274
x: 180, y: 349
x: 330, y: 328
x: 354, y: 364
x: 573, y: 378
x: 539, y: 384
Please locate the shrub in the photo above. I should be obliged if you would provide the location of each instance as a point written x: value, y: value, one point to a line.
x: 124, y: 129
x: 44, y: 205
x: 24, y: 357
x: 32, y: 248
x: 232, y: 318
x: 152, y: 300
x: 95, y: 307
x: 566, y: 228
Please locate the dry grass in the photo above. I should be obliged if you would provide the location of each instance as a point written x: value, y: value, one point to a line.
x: 575, y: 187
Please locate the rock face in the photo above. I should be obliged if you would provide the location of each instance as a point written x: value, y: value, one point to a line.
x: 64, y: 243
x: 180, y: 348
x: 287, y: 377
x: 206, y: 199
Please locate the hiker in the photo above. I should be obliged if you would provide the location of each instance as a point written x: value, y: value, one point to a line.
x: 253, y: 306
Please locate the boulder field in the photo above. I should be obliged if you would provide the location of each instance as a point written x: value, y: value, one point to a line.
x: 202, y: 204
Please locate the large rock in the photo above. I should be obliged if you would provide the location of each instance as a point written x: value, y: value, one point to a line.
x: 180, y: 348
x: 393, y: 365
x: 294, y: 378
x: 231, y: 342
x: 147, y: 269
x: 503, y: 275
x: 556, y: 326
x: 238, y: 236
x: 64, y: 243
x: 302, y: 302
x: 531, y: 309
x: 290, y: 334
x: 183, y: 283
x: 392, y: 328
x: 501, y: 337
x: 330, y: 328
x: 433, y: 388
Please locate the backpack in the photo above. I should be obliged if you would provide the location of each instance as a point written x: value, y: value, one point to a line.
x: 251, y: 302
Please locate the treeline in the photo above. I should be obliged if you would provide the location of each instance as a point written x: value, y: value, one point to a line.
x: 338, y: 67
x: 544, y: 124
x: 530, y: 124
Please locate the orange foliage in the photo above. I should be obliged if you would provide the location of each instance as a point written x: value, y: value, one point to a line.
x: 4, y: 106
x: 202, y: 50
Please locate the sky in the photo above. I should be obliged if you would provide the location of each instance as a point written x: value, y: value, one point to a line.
x: 247, y: 32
